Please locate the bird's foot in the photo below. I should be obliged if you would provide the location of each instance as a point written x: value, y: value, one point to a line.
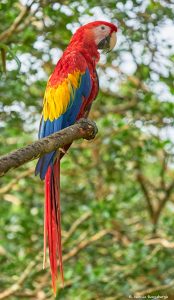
x: 61, y: 150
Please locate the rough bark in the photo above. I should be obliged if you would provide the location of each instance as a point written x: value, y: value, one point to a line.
x: 84, y: 128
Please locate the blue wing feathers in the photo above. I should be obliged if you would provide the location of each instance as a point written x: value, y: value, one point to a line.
x: 83, y: 91
x: 85, y: 86
x: 68, y: 118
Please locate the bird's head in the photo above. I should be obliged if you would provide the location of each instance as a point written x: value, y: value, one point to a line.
x: 100, y: 33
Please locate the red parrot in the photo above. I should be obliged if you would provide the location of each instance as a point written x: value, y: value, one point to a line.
x: 70, y: 91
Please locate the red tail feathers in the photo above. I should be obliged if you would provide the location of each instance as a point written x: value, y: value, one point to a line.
x: 52, y: 222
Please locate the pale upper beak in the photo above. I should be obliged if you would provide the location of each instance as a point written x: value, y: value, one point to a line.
x: 108, y: 43
x: 113, y: 40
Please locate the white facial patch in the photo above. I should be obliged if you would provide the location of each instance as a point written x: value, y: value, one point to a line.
x: 100, y: 34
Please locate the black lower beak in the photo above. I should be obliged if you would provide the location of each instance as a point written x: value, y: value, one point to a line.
x: 105, y: 43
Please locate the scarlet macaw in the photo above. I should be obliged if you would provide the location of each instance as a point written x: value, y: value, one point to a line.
x: 70, y: 91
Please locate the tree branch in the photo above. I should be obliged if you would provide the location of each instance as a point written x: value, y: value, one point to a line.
x: 154, y: 289
x: 16, y: 286
x: 8, y: 32
x: 83, y: 244
x: 145, y: 191
x: 160, y: 241
x: 163, y: 202
x: 74, y: 226
x: 26, y: 273
x: 8, y: 187
x: 82, y: 129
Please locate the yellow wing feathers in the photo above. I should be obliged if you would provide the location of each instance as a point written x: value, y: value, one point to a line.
x: 57, y: 98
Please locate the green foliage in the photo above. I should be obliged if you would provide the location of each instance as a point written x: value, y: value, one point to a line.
x: 121, y: 183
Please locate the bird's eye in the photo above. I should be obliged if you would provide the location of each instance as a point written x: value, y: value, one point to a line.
x: 103, y: 27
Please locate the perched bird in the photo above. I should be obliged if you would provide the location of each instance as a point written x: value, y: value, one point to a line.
x: 70, y: 91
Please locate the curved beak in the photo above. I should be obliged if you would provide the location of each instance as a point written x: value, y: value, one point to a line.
x: 113, y: 40
x: 108, y: 43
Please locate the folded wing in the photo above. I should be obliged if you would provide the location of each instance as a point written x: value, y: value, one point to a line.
x: 66, y: 94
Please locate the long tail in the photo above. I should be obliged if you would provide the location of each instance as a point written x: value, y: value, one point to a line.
x: 52, y: 222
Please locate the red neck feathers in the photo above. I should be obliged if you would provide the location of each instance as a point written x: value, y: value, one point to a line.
x: 83, y: 41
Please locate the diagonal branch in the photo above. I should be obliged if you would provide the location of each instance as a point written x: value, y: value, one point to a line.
x: 83, y: 244
x: 82, y: 129
x: 74, y: 226
x: 5, y: 189
x: 154, y: 289
x: 163, y: 202
x: 32, y: 265
x: 9, y: 31
x: 16, y: 286
x: 145, y: 191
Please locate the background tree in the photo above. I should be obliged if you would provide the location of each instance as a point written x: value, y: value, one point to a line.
x: 117, y: 191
